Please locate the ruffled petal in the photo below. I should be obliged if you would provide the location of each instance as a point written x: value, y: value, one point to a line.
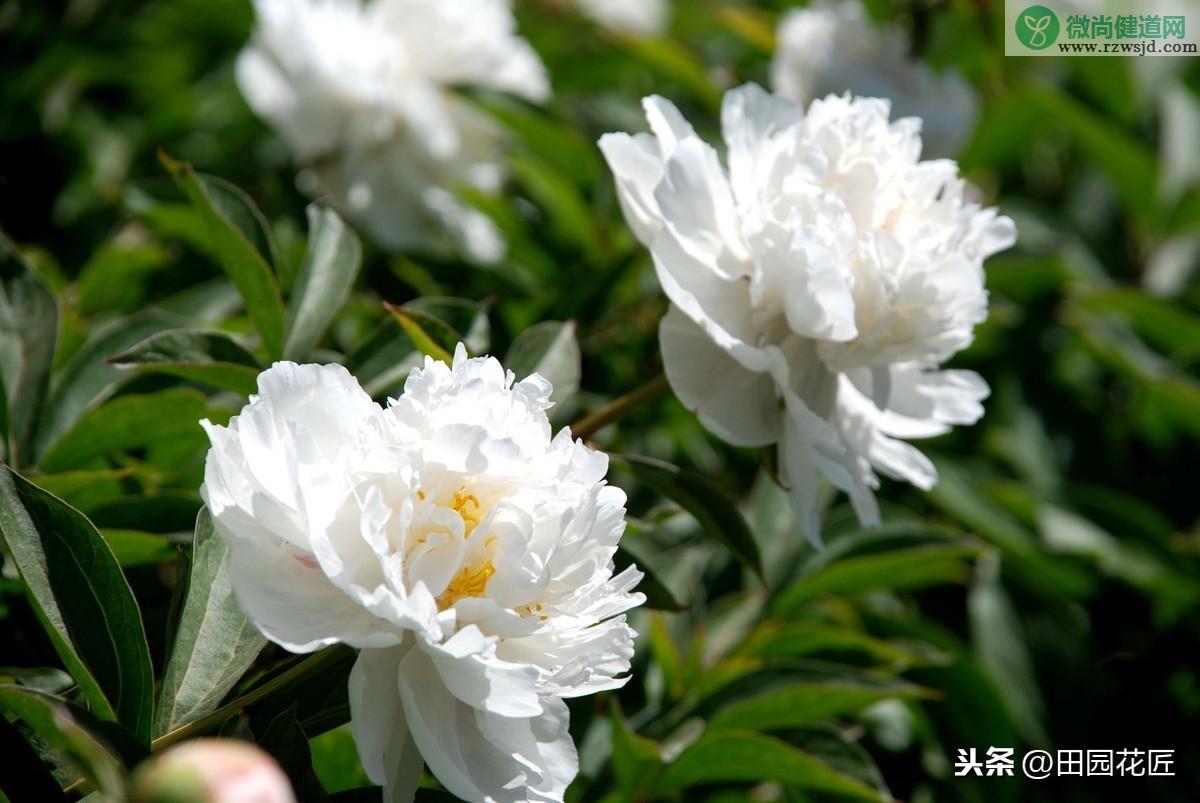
x: 387, y: 750
x: 286, y: 595
x: 739, y: 406
x: 479, y: 755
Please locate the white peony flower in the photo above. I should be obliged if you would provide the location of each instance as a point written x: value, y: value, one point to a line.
x: 815, y: 285
x: 835, y: 47
x: 364, y: 96
x: 451, y: 538
x: 638, y: 17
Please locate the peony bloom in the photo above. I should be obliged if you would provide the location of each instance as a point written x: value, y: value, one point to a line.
x: 466, y: 552
x: 834, y: 47
x: 636, y: 17
x: 364, y: 96
x: 815, y: 285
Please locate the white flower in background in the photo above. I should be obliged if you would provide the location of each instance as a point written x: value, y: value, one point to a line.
x: 639, y: 17
x: 834, y: 47
x: 451, y: 538
x: 815, y: 285
x: 364, y: 96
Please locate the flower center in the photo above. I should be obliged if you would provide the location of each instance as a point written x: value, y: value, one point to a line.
x: 467, y: 506
x: 469, y: 582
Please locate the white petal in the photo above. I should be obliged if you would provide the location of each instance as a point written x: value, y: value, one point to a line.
x: 480, y: 756
x: 469, y: 668
x: 798, y: 472
x: 739, y: 406
x: 388, y: 753
x: 750, y: 116
x: 667, y: 123
x: 697, y: 203
x: 719, y: 305
x: 286, y: 595
x: 637, y: 164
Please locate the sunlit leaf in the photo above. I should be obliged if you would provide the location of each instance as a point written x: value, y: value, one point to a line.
x: 209, y: 358
x: 328, y: 272
x: 214, y: 642
x: 550, y: 349
x: 235, y: 228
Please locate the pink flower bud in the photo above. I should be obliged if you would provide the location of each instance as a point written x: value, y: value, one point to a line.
x: 212, y: 771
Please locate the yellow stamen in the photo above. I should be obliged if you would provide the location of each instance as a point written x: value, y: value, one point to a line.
x: 471, y: 581
x: 467, y: 505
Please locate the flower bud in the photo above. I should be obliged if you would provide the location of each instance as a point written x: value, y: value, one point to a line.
x: 212, y: 771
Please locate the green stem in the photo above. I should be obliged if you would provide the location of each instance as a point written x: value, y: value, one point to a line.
x: 620, y: 407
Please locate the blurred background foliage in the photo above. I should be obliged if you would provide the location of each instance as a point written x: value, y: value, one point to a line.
x: 1043, y: 595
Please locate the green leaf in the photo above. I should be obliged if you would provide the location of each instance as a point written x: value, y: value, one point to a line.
x: 335, y: 760
x: 704, y: 499
x: 635, y: 759
x: 559, y: 143
x: 28, y: 331
x: 464, y: 320
x: 896, y: 570
x: 285, y: 739
x: 323, y: 284
x: 801, y: 704
x: 674, y: 61
x: 548, y: 348
x: 958, y: 494
x: 1130, y: 164
x: 1168, y: 327
x: 658, y: 596
x: 209, y: 358
x: 131, y: 422
x: 83, y: 490
x: 569, y: 213
x: 428, y: 333
x: 800, y: 639
x: 238, y: 234
x: 79, y: 594
x: 25, y: 777
x: 137, y: 548
x: 87, y: 381
x: 383, y: 361
x: 214, y: 641
x: 1000, y: 647
x: 53, y: 721
x: 113, y: 277
x: 739, y: 756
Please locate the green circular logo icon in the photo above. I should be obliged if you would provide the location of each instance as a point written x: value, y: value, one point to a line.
x: 1037, y: 27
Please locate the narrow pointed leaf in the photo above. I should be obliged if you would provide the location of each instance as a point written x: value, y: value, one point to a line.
x: 214, y: 642
x: 234, y: 227
x: 209, y: 358
x: 131, y: 422
x: 28, y: 329
x: 25, y: 777
x: 740, y: 756
x: 82, y: 599
x: 801, y: 704
x: 548, y: 348
x: 701, y: 497
x: 428, y: 333
x: 87, y: 381
x: 54, y: 722
x: 323, y: 284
